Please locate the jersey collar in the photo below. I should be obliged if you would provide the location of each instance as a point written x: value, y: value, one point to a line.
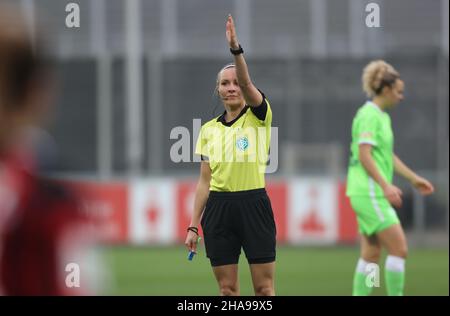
x: 222, y: 117
x: 372, y: 104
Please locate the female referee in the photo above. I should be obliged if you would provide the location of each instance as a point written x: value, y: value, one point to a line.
x: 230, y: 199
x: 369, y: 183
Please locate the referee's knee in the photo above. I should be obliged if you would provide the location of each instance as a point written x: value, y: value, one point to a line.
x: 264, y: 290
x: 228, y: 289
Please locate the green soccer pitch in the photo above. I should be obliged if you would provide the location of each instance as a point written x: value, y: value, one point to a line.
x: 299, y: 271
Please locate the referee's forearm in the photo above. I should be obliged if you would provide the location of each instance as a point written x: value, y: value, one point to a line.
x: 242, y: 71
x: 201, y: 196
x: 251, y: 94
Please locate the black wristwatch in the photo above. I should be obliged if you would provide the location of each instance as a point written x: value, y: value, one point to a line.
x: 237, y: 51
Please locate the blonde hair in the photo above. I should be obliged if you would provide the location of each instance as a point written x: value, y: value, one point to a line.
x: 377, y: 75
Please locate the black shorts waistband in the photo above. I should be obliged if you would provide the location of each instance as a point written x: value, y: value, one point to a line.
x: 237, y: 194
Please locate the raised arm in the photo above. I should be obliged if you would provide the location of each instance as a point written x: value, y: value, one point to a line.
x: 251, y: 94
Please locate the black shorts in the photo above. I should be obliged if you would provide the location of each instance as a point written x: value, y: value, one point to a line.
x: 235, y: 220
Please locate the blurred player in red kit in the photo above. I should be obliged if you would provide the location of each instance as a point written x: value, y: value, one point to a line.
x: 41, y: 223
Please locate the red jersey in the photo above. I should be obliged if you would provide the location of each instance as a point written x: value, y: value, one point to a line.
x: 40, y: 223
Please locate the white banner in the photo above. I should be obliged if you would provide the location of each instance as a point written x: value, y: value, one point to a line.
x: 152, y: 211
x: 312, y: 211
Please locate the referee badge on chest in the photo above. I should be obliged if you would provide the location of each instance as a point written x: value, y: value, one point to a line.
x: 242, y: 143
x: 245, y: 143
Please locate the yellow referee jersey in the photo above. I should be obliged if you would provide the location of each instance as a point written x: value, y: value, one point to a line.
x: 237, y: 151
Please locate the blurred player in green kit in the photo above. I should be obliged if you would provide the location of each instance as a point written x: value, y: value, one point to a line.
x: 369, y: 183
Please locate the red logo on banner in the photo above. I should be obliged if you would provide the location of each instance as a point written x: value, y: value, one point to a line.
x: 311, y: 223
x: 152, y: 215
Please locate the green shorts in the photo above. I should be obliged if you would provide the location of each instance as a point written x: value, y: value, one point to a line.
x: 374, y: 214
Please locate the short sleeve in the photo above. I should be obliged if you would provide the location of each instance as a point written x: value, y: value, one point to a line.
x: 263, y: 112
x: 367, y: 129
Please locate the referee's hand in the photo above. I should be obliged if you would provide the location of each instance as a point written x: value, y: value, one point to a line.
x: 231, y: 33
x: 191, y: 241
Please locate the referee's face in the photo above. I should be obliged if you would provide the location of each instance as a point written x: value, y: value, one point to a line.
x: 229, y: 90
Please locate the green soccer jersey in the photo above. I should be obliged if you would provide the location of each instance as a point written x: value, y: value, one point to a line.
x: 371, y: 126
x: 237, y: 151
